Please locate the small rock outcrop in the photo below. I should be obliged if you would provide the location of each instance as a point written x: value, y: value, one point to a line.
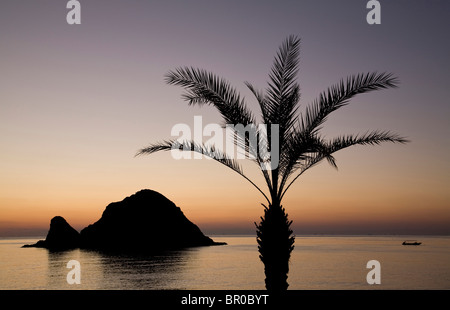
x: 61, y: 236
x: 144, y: 222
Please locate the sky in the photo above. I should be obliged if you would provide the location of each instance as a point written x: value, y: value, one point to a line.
x: 78, y: 101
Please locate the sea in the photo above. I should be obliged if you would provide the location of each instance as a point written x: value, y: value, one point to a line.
x: 317, y: 263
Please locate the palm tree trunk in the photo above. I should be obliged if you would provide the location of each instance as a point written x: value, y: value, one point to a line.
x: 275, y: 244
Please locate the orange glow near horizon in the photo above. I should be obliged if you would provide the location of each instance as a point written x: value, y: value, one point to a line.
x: 216, y: 199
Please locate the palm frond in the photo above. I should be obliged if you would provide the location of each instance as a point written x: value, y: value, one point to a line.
x: 203, y: 87
x: 191, y: 146
x: 308, y: 162
x: 300, y: 149
x: 325, y: 150
x: 262, y: 101
x: 283, y: 93
x: 283, y: 73
x: 208, y: 151
x: 371, y: 138
x: 339, y: 95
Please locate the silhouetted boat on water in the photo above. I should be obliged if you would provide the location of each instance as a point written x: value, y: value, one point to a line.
x: 411, y: 242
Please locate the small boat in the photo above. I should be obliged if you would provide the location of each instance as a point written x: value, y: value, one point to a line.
x: 411, y: 242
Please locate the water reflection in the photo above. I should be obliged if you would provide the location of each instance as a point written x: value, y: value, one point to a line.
x: 100, y: 270
x: 324, y: 262
x: 57, y: 267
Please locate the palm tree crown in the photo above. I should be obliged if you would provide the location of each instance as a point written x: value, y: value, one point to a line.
x: 300, y: 143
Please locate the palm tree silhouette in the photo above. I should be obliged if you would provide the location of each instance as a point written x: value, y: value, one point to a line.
x: 300, y: 144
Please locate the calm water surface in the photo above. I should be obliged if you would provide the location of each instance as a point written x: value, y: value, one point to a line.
x: 323, y: 262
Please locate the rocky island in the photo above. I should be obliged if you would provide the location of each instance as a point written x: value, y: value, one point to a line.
x: 144, y: 222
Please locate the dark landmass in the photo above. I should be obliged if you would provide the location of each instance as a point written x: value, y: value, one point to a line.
x: 61, y: 236
x: 144, y: 222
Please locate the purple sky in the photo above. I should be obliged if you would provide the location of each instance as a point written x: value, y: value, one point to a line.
x: 77, y: 102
